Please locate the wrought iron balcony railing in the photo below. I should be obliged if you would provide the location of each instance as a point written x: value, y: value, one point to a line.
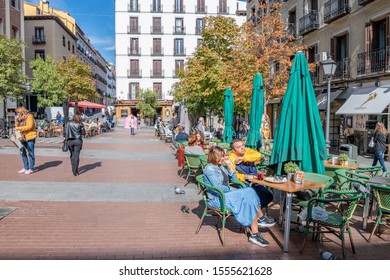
x: 223, y: 10
x: 179, y: 9
x: 364, y: 2
x: 156, y: 8
x: 133, y: 8
x: 157, y: 51
x: 308, y: 23
x: 201, y: 9
x: 157, y: 73
x: 179, y: 52
x: 335, y: 9
x: 134, y: 29
x: 342, y: 69
x: 157, y: 29
x: 374, y: 62
x: 134, y: 73
x: 179, y: 30
x: 134, y: 51
x: 38, y: 40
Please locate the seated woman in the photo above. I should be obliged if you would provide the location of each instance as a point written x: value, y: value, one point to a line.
x: 199, y: 138
x: 244, y: 203
x: 192, y: 148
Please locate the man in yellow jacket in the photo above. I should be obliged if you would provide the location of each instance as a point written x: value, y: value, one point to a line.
x: 25, y: 123
x: 247, y: 159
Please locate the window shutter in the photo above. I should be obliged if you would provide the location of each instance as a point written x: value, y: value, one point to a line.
x: 368, y: 32
x: 333, y: 45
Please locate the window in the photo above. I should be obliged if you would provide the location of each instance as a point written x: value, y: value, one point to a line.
x: 68, y: 45
x: 157, y: 87
x: 134, y: 25
x: 134, y: 6
x: 179, y: 46
x: 72, y: 48
x: 312, y: 51
x: 63, y: 41
x: 40, y: 53
x: 179, y: 66
x: 15, y: 32
x: 292, y: 23
x: 133, y: 91
x: 156, y: 6
x: 199, y: 25
x: 15, y: 4
x: 340, y: 53
x: 1, y: 26
x: 200, y: 7
x: 134, y: 68
x: 179, y: 6
x: 134, y: 46
x: 157, y: 68
x: 157, y: 46
x: 222, y: 9
x: 39, y: 35
x: 156, y: 28
x: 179, y: 26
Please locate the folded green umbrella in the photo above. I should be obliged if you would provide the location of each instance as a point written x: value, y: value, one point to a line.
x: 228, y: 115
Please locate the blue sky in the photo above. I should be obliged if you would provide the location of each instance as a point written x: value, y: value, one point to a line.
x: 96, y: 18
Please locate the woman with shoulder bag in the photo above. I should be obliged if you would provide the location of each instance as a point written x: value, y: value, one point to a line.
x: 379, y: 135
x: 73, y: 133
x: 25, y: 123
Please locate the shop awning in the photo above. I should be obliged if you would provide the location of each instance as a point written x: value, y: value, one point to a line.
x: 322, y: 98
x: 366, y: 101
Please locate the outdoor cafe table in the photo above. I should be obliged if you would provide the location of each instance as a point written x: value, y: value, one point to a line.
x: 289, y: 188
x: 331, y: 167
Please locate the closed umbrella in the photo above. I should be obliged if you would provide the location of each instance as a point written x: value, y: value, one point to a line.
x: 184, y: 121
x: 65, y: 107
x: 228, y: 116
x: 299, y: 136
x: 256, y: 114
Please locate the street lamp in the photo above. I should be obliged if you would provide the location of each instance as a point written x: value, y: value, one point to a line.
x: 329, y: 67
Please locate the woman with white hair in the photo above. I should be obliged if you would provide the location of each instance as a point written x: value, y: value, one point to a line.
x: 200, y: 127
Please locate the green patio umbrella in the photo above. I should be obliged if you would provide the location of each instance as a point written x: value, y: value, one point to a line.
x: 256, y: 114
x: 299, y: 136
x: 228, y: 111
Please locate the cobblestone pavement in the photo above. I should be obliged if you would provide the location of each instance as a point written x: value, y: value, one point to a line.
x: 122, y: 206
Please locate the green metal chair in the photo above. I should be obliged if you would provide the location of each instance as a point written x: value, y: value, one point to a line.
x: 382, y: 196
x: 386, y: 174
x: 192, y: 164
x: 346, y: 177
x: 221, y: 212
x: 370, y: 171
x: 338, y: 219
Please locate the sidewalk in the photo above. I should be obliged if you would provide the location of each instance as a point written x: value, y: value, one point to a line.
x: 122, y: 206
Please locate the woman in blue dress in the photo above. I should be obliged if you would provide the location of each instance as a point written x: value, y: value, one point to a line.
x: 244, y: 203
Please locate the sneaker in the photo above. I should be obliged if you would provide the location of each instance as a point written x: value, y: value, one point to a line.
x: 22, y: 171
x: 266, y: 221
x: 28, y: 172
x: 258, y: 240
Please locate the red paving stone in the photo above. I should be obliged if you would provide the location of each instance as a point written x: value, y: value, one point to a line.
x: 151, y: 230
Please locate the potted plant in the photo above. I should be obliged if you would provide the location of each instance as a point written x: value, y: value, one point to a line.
x: 343, y: 159
x: 290, y: 168
x: 267, y: 146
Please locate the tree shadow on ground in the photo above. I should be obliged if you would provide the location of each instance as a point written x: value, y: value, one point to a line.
x: 88, y: 167
x: 48, y: 165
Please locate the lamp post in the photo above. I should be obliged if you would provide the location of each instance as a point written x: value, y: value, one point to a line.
x: 329, y: 67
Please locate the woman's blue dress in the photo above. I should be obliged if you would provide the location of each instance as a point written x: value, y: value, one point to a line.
x: 243, y: 202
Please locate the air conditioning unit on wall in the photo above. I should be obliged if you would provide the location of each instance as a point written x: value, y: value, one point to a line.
x: 321, y: 57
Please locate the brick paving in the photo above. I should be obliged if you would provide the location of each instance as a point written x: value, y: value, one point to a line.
x: 118, y: 209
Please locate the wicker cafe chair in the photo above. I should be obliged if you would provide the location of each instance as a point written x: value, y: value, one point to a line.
x: 347, y: 178
x: 369, y: 171
x: 338, y: 219
x: 221, y: 212
x: 192, y: 164
x: 382, y: 196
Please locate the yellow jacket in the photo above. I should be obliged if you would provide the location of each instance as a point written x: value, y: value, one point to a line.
x: 249, y: 156
x: 29, y: 129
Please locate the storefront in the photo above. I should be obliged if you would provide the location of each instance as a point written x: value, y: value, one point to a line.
x: 363, y: 109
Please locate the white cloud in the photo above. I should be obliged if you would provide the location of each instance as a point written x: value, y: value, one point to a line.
x: 112, y: 48
x: 101, y: 40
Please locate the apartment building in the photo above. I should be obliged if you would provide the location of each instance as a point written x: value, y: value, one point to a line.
x: 12, y: 26
x: 356, y: 34
x: 153, y: 40
x: 56, y: 33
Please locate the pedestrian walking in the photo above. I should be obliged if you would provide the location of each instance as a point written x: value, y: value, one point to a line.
x: 73, y: 133
x: 25, y: 124
x: 379, y: 135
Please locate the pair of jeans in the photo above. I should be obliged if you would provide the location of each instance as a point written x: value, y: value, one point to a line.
x: 379, y: 157
x: 132, y: 131
x: 28, y: 160
x: 75, y: 146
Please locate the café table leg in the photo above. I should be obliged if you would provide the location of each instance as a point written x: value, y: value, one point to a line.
x: 281, y: 208
x: 287, y: 221
x: 366, y: 209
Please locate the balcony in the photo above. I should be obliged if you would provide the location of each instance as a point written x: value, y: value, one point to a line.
x: 159, y: 74
x: 223, y: 10
x: 133, y: 8
x: 157, y: 29
x: 179, y: 9
x: 134, y: 73
x: 315, y: 78
x: 134, y: 51
x: 201, y: 9
x: 342, y: 69
x: 335, y: 9
x: 156, y: 8
x: 36, y: 40
x: 156, y: 51
x: 364, y: 2
x: 374, y: 62
x: 134, y: 29
x: 198, y: 30
x: 179, y: 52
x: 179, y: 30
x: 308, y: 23
x: 292, y: 29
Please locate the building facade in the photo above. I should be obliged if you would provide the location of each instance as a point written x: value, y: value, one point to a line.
x: 12, y: 26
x: 356, y: 35
x: 154, y: 38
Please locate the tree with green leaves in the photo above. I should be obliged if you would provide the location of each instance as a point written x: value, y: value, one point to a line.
x: 12, y: 78
x: 148, y: 102
x: 48, y: 83
x: 78, y: 80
